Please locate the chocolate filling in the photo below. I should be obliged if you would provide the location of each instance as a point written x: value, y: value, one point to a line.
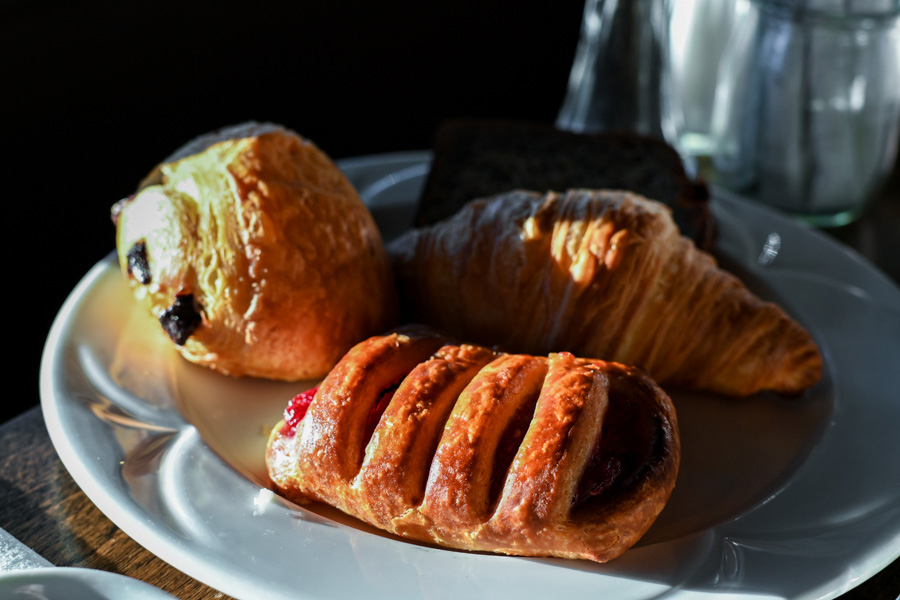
x: 138, y: 265
x: 181, y: 319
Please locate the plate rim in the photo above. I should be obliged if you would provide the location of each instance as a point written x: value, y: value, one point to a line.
x: 146, y: 534
x: 123, y: 582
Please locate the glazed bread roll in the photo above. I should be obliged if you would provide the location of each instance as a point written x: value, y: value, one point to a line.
x: 256, y: 255
x: 602, y: 274
x: 473, y: 449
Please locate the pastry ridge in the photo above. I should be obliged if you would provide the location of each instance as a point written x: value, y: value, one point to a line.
x: 483, y: 450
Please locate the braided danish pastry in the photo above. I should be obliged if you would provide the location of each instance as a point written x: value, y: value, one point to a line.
x: 474, y: 449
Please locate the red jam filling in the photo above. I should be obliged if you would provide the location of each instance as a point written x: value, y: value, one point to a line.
x: 378, y: 409
x: 296, y: 410
x: 299, y: 404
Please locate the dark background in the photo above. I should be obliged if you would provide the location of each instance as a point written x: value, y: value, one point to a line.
x: 95, y: 93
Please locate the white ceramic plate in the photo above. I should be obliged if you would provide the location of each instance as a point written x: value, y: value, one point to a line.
x: 58, y: 583
x: 777, y: 498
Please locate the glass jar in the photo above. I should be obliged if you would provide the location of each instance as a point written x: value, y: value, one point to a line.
x: 804, y: 113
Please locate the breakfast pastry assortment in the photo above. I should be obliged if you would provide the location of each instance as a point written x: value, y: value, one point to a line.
x: 494, y: 379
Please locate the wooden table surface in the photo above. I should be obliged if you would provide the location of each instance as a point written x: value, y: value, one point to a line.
x: 42, y: 506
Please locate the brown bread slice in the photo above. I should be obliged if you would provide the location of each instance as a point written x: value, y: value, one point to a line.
x: 475, y: 158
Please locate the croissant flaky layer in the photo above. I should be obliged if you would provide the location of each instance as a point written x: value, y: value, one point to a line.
x: 474, y: 449
x: 604, y: 274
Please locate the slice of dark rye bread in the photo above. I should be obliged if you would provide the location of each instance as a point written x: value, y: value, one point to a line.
x: 475, y: 158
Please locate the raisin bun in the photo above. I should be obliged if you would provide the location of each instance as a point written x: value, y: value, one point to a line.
x: 256, y: 255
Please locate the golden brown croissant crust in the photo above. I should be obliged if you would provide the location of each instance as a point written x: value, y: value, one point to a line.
x: 256, y: 255
x: 474, y: 449
x: 604, y: 274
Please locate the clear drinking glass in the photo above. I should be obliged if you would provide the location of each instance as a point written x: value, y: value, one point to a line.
x: 795, y: 103
x: 614, y: 80
x: 703, y: 41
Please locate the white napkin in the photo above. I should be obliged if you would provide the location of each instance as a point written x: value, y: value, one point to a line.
x: 15, y: 555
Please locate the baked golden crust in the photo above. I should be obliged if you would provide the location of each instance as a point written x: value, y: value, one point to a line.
x: 480, y: 450
x: 604, y: 274
x: 276, y: 266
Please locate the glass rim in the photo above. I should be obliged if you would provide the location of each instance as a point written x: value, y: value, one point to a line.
x: 808, y: 9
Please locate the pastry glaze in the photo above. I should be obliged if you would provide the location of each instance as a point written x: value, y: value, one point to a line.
x: 486, y: 451
x: 262, y: 240
x: 603, y: 274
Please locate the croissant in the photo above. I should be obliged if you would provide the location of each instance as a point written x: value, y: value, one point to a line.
x: 256, y: 255
x: 474, y: 449
x: 603, y: 274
